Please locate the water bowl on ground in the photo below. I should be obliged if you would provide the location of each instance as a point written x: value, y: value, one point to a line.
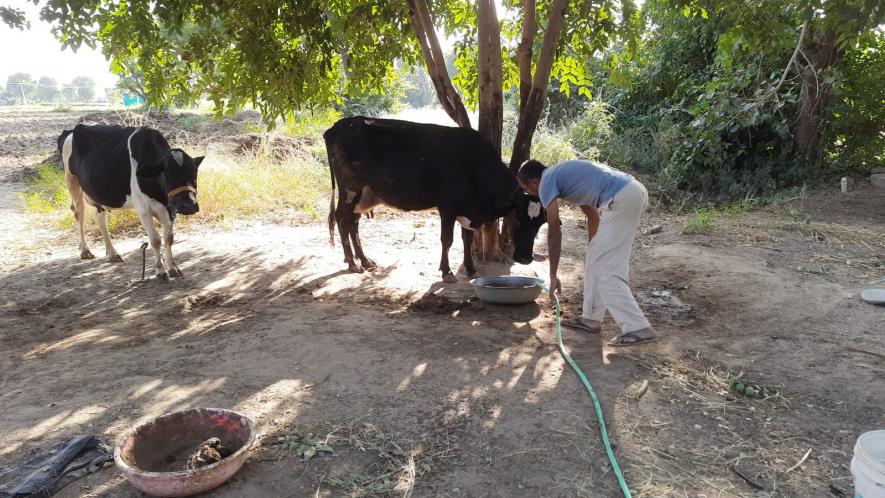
x: 507, y: 289
x: 165, y: 456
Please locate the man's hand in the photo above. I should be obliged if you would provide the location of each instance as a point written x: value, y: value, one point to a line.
x: 555, y: 287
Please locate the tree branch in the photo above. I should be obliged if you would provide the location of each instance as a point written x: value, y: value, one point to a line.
x: 792, y: 58
x: 525, y: 53
x: 531, y: 113
x: 422, y: 24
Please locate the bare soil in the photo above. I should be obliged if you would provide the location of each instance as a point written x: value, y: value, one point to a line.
x: 393, y: 383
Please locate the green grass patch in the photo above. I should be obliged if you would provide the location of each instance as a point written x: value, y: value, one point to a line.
x: 230, y: 188
x: 702, y: 221
x: 46, y: 190
x: 46, y: 200
x: 188, y: 121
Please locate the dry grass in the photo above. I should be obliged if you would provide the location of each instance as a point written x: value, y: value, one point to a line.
x: 376, y: 463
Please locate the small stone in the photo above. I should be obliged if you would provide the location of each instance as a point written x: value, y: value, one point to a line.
x: 655, y: 229
x: 698, y: 427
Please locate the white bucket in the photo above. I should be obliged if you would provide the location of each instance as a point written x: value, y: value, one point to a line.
x: 868, y: 465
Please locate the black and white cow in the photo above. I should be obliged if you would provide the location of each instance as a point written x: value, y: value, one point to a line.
x: 112, y: 167
x: 413, y: 166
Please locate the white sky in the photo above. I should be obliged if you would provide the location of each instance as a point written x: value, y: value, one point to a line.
x: 37, y: 52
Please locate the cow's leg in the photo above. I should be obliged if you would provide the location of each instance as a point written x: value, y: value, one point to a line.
x: 101, y: 216
x: 467, y: 238
x: 367, y: 263
x: 168, y: 238
x: 447, y: 224
x: 78, y: 207
x: 344, y: 216
x: 147, y: 221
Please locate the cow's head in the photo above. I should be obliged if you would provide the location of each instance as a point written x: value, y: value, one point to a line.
x: 176, y: 176
x: 529, y: 215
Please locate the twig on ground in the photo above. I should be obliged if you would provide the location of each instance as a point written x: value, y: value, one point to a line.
x: 311, y: 386
x: 800, y: 462
x: 858, y: 350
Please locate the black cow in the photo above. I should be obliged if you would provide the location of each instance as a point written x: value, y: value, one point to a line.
x: 413, y: 166
x: 113, y: 167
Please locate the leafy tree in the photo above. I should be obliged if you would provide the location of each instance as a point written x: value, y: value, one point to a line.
x: 47, y: 90
x: 417, y: 87
x: 857, y: 138
x: 85, y: 88
x: 283, y: 56
x: 132, y: 80
x: 13, y: 17
x: 69, y: 92
x: 734, y: 96
x: 21, y: 86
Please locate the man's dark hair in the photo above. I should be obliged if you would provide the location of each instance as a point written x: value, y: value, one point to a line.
x: 531, y: 170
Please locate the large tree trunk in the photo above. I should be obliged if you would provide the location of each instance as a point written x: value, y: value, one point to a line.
x: 534, y: 103
x: 819, y: 53
x: 422, y: 24
x: 491, y: 109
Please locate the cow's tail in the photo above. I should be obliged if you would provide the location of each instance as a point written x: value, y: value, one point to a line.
x: 332, y: 208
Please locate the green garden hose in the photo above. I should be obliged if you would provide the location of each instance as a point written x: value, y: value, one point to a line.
x: 603, y: 432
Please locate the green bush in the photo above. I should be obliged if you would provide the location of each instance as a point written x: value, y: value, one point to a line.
x: 311, y: 123
x: 551, y: 147
x: 591, y: 132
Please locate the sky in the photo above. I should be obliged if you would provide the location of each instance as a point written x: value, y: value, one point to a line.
x: 37, y: 52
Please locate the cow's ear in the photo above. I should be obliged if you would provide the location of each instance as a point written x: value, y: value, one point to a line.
x: 198, y: 160
x: 149, y: 171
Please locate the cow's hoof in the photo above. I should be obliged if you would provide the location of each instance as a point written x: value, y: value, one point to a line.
x: 449, y: 278
x: 163, y: 277
x: 352, y: 268
x: 175, y: 272
x: 369, y: 265
x: 115, y: 258
x: 86, y: 254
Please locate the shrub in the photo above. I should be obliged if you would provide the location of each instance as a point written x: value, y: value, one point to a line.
x: 591, y: 132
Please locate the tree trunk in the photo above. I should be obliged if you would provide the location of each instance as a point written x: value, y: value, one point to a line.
x: 534, y: 103
x: 422, y: 25
x: 819, y: 53
x: 491, y: 110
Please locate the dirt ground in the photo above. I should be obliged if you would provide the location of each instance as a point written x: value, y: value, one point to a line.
x: 421, y: 391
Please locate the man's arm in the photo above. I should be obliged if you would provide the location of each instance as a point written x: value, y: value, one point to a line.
x: 554, y: 243
x: 592, y: 221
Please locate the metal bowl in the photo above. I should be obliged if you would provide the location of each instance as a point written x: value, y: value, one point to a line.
x: 507, y: 289
x: 152, y: 454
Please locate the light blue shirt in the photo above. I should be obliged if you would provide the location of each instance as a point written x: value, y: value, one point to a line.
x: 581, y: 182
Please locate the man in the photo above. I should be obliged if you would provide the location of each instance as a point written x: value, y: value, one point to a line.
x: 613, y: 202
